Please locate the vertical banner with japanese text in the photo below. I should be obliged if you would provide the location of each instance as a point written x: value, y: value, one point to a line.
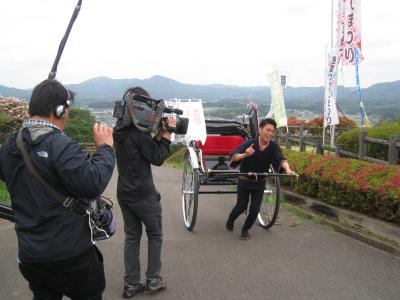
x: 277, y: 99
x: 283, y: 85
x: 349, y: 31
x: 330, y: 110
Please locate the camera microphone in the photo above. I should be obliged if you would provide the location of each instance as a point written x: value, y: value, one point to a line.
x: 172, y: 110
x: 167, y: 109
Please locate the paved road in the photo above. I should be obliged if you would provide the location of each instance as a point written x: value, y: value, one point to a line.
x: 294, y: 260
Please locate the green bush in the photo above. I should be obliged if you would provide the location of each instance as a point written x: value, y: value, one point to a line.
x: 350, y: 139
x: 5, y: 128
x: 4, y: 195
x: 176, y: 147
x: 4, y: 118
x: 80, y: 125
x: 365, y: 187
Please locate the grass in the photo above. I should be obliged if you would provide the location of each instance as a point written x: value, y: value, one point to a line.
x: 4, y: 195
x: 295, y: 223
x: 330, y: 224
x: 302, y: 213
x: 176, y: 159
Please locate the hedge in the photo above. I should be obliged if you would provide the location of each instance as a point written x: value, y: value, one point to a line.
x: 350, y: 139
x: 362, y: 186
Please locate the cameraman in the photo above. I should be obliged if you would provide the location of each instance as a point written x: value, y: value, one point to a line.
x: 55, y: 252
x: 139, y: 200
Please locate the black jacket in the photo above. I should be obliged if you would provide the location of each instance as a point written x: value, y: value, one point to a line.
x: 136, y: 151
x: 46, y: 230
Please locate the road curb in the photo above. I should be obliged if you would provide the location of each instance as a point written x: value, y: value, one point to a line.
x: 376, y: 233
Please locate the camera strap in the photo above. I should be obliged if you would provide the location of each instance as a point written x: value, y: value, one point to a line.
x: 67, y: 202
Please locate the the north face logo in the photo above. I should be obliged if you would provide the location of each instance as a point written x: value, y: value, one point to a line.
x: 43, y: 154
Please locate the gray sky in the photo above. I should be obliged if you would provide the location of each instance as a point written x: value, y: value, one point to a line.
x: 200, y: 42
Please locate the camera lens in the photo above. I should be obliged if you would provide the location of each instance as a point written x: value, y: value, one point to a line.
x: 181, y: 125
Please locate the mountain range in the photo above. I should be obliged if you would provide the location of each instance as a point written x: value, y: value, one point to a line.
x: 382, y: 99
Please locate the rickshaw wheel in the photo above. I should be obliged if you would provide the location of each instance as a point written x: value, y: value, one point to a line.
x: 269, y: 208
x: 190, y: 193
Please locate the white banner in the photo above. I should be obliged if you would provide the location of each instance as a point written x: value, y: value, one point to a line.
x: 330, y: 111
x: 192, y: 109
x: 277, y: 100
x: 349, y: 30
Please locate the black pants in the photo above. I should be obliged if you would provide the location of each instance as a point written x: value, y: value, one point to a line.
x: 136, y: 212
x: 79, y: 277
x: 241, y: 205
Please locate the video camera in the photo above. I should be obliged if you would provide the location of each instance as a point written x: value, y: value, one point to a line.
x: 146, y: 113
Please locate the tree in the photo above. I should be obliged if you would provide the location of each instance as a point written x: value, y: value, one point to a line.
x: 80, y: 124
x: 12, y: 112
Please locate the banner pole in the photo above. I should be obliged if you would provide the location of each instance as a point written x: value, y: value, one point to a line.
x: 362, y: 109
x: 323, y: 114
x: 332, y: 126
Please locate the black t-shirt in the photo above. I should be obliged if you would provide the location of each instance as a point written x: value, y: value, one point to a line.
x: 260, y: 161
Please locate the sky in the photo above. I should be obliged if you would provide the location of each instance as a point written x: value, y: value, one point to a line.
x: 231, y: 42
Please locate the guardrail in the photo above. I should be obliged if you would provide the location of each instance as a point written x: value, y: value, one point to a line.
x: 302, y: 138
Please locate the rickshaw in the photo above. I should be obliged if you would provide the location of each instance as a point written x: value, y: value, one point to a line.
x: 208, y: 165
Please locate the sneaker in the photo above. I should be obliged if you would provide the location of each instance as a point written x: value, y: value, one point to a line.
x: 245, y: 235
x: 132, y: 290
x: 229, y: 224
x: 156, y: 284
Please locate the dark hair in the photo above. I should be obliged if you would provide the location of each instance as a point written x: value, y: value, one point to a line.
x: 46, y: 96
x: 140, y: 91
x: 267, y: 121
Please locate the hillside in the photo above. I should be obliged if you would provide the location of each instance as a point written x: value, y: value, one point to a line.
x: 380, y: 99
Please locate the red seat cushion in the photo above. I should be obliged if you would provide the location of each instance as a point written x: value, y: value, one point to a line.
x: 220, y: 145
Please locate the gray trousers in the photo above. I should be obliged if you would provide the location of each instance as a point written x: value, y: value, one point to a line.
x: 136, y: 212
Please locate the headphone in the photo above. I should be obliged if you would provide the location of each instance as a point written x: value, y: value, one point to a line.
x: 59, y: 110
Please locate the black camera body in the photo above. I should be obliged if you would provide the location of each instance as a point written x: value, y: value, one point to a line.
x: 146, y: 113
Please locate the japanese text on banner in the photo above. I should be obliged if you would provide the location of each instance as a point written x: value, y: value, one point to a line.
x: 349, y: 30
x: 330, y: 111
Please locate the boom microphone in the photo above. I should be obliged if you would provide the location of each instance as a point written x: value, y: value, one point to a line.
x: 53, y: 72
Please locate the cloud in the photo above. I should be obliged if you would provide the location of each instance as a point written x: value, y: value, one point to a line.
x: 224, y: 41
